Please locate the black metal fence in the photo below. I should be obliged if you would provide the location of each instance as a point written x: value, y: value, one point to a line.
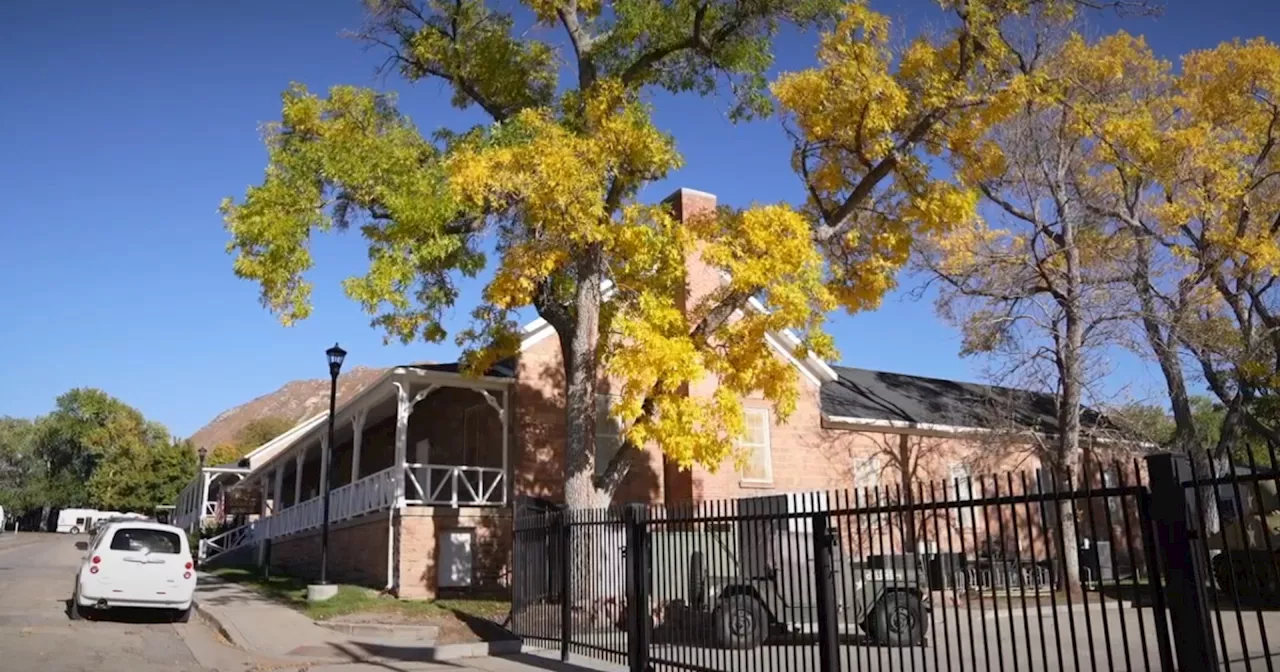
x: 960, y: 575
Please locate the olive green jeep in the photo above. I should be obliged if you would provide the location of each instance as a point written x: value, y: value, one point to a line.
x: 754, y: 577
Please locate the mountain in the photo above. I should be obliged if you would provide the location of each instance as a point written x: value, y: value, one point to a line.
x: 296, y: 401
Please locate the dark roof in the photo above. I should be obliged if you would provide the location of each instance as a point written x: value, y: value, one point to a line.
x: 503, y: 369
x: 879, y: 395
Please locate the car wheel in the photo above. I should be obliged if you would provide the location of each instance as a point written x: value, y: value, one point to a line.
x: 899, y: 619
x: 697, y: 581
x: 75, y: 530
x: 740, y: 622
x: 182, y: 615
x: 1221, y: 574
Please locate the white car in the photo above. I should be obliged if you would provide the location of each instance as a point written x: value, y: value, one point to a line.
x: 137, y: 564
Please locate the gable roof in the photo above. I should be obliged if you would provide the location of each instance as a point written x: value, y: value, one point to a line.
x: 901, y: 400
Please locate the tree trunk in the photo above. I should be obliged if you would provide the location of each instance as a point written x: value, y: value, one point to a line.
x: 909, y: 536
x: 1164, y: 344
x: 578, y: 345
x: 1072, y: 356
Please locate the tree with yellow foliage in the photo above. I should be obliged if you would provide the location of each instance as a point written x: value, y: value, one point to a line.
x: 1214, y: 224
x: 553, y: 179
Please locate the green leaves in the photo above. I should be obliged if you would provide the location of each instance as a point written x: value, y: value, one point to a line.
x: 92, y: 450
x: 351, y: 160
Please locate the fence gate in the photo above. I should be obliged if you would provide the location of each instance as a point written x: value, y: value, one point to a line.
x: 964, y: 574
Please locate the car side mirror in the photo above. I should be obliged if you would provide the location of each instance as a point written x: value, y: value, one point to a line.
x: 82, y: 545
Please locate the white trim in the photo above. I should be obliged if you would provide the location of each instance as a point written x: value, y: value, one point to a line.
x: 535, y: 332
x: 845, y: 422
x: 816, y: 369
x: 767, y: 445
x: 904, y: 426
x: 804, y: 370
x: 457, y: 380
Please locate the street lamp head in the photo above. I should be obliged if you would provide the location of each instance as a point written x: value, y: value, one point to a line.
x: 336, y: 355
x: 203, y: 453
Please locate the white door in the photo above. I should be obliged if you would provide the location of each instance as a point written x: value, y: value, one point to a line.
x: 454, y: 568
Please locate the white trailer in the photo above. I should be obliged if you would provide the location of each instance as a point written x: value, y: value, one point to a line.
x: 75, y: 521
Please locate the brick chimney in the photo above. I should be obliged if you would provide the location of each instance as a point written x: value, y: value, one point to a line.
x: 701, y: 280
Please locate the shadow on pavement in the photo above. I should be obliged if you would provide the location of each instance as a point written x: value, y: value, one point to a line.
x: 130, y: 615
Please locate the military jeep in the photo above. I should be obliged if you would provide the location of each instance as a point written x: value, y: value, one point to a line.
x: 754, y: 576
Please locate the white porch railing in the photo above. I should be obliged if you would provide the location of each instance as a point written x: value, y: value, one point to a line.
x: 446, y: 485
x: 374, y: 492
x: 228, y: 541
x: 425, y: 485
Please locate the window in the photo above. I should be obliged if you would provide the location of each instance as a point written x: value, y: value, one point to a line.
x: 608, y: 431
x: 866, y: 474
x: 146, y: 540
x: 963, y: 484
x: 755, y: 443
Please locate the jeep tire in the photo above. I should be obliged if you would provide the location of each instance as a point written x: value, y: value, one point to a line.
x: 740, y: 622
x: 899, y: 619
x: 697, y: 581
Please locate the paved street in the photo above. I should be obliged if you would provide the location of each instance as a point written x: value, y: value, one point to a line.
x: 37, y: 575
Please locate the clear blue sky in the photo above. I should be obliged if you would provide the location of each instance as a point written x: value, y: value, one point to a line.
x: 122, y: 125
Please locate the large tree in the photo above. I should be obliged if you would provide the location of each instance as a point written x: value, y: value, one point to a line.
x: 552, y: 178
x: 103, y: 453
x: 21, y: 471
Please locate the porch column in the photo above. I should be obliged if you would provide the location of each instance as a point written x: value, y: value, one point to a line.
x: 277, y: 495
x: 506, y: 432
x: 403, y: 408
x: 357, y: 437
x: 297, y: 476
x: 205, y: 479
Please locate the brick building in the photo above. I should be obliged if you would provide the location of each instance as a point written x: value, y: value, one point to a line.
x: 428, y: 462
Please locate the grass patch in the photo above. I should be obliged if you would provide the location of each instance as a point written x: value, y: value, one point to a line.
x: 357, y: 600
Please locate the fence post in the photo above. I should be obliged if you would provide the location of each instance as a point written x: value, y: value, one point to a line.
x: 566, y: 595
x: 1185, y: 567
x: 639, y: 624
x: 824, y: 586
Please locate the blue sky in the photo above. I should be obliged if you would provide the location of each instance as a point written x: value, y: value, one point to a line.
x: 123, y: 124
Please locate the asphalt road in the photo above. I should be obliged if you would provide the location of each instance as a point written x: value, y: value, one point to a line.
x: 37, y: 576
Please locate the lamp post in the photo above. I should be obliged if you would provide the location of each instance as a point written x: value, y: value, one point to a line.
x: 336, y: 355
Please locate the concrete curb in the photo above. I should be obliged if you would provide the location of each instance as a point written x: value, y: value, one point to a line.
x: 384, y: 630
x: 352, y: 652
x: 230, y: 634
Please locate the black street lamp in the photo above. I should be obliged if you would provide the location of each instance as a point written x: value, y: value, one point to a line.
x: 336, y: 355
x: 203, y: 453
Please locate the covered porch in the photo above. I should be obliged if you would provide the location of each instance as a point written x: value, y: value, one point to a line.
x: 421, y: 437
x: 199, y: 504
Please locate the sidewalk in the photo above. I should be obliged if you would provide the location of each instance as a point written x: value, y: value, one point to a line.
x: 266, y: 628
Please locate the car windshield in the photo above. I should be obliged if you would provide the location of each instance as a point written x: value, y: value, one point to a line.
x: 145, y: 540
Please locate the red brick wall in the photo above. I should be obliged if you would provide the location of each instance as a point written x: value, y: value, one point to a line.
x: 491, y: 550
x: 357, y: 552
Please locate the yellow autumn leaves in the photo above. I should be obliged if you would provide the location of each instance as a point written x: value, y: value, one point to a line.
x: 893, y: 144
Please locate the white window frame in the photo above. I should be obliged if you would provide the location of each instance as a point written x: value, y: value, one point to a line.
x: 614, y: 434
x: 866, y: 474
x: 962, y: 481
x: 767, y: 446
